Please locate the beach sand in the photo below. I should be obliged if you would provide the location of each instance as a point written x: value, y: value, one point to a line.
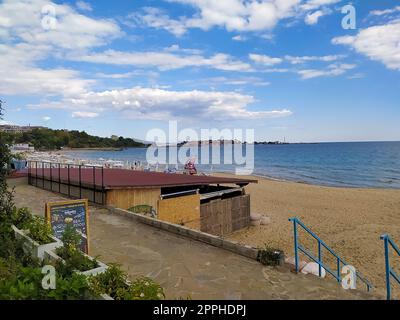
x: 348, y: 220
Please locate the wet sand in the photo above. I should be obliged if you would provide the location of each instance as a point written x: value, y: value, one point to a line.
x: 349, y: 220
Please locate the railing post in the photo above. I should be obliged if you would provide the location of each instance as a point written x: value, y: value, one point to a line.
x: 296, y: 247
x: 59, y: 178
x: 80, y: 182
x: 29, y: 173
x: 94, y: 184
x: 69, y: 182
x: 387, y: 265
x: 43, y: 175
x: 319, y: 259
x: 36, y: 165
x: 103, y: 195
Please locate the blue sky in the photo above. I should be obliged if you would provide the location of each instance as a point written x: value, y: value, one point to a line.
x: 285, y: 68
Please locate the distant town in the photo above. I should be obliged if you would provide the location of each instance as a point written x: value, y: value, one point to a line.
x: 9, y: 128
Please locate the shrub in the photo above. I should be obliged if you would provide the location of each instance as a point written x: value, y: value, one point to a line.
x: 109, y: 282
x: 142, y: 288
x: 114, y: 282
x: 39, y: 230
x: 21, y: 217
x: 26, y: 284
x: 73, y: 258
x: 144, y: 209
x: 271, y: 257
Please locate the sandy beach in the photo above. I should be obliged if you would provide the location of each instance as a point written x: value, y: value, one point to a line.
x: 351, y: 221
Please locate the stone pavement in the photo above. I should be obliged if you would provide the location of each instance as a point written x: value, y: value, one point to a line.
x: 187, y: 268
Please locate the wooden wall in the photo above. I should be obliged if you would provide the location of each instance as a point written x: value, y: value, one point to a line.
x: 128, y: 198
x: 223, y: 216
x: 183, y: 210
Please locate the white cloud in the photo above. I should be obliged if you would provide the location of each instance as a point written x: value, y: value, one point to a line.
x: 239, y: 38
x: 23, y: 20
x: 312, y: 18
x: 304, y: 59
x: 5, y: 123
x: 84, y: 114
x: 125, y: 75
x: 233, y: 15
x: 264, y: 59
x: 19, y: 71
x: 161, y: 104
x: 385, y: 12
x: 84, y: 6
x: 332, y: 71
x: 380, y: 43
x: 46, y: 118
x: 164, y: 60
x: 24, y: 43
x: 156, y: 18
x: 27, y: 45
x: 356, y: 76
x: 315, y: 4
x: 240, y: 81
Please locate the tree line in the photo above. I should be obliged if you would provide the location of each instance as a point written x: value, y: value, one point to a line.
x: 49, y: 139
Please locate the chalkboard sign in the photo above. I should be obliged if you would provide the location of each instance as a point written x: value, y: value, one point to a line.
x: 74, y: 212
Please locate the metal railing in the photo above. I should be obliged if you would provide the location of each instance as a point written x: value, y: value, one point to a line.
x: 319, y: 260
x: 40, y: 172
x: 390, y: 273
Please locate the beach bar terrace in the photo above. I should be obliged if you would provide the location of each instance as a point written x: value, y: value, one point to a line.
x: 216, y: 205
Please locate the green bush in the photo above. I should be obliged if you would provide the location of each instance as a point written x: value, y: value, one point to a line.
x: 114, y: 282
x: 39, y: 230
x: 142, y: 209
x: 109, y: 282
x: 142, y: 288
x: 26, y: 284
x: 73, y: 258
x: 21, y: 217
x: 270, y: 257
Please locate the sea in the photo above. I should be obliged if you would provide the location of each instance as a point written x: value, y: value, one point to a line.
x: 341, y: 164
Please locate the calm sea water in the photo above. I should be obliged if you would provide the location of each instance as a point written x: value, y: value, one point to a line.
x: 354, y: 164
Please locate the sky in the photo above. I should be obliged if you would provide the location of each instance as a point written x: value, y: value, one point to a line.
x: 299, y: 70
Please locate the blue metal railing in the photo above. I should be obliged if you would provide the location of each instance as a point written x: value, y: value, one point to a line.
x: 389, y: 271
x: 339, y: 261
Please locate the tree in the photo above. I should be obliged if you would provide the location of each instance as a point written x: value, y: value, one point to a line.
x: 4, y: 152
x: 6, y: 197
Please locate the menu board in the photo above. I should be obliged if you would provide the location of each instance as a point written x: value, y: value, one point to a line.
x: 74, y: 212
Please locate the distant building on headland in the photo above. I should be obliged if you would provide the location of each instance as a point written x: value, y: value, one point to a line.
x: 8, y: 128
x: 270, y: 142
x: 21, y: 147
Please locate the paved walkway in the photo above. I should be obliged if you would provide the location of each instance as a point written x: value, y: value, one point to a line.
x: 187, y: 268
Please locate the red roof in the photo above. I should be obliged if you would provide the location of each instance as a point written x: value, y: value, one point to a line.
x: 122, y: 178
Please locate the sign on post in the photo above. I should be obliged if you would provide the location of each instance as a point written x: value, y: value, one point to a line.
x: 75, y: 213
